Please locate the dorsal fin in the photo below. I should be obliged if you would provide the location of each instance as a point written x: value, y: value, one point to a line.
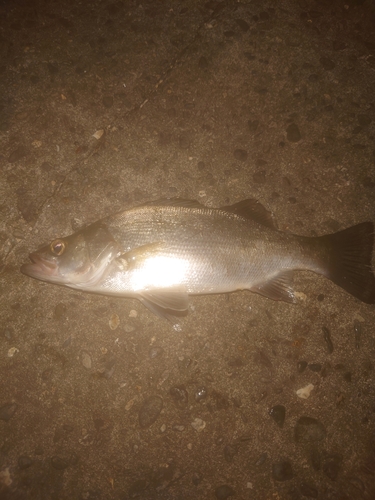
x: 249, y: 209
x: 253, y: 210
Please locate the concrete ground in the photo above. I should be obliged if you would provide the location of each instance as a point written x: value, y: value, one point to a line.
x: 108, y: 104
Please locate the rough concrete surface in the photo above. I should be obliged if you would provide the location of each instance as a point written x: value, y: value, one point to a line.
x: 216, y: 101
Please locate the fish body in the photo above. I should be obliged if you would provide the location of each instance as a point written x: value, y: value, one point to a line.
x: 164, y: 251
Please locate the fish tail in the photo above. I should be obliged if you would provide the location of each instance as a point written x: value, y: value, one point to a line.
x: 349, y: 260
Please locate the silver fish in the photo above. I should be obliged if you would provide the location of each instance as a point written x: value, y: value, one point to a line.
x: 163, y: 251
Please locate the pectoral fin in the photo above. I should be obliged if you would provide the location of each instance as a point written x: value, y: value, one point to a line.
x: 278, y: 288
x: 137, y: 255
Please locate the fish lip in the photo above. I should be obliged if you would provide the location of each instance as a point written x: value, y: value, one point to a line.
x: 40, y: 267
x: 37, y: 259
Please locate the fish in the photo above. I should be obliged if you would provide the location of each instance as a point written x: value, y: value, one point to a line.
x: 163, y: 251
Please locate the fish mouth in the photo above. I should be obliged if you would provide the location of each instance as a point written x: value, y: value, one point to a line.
x: 40, y: 268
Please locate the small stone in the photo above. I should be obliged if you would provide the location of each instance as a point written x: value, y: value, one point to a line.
x: 107, y: 366
x: 240, y: 154
x: 364, y: 120
x: 327, y: 63
x: 184, y: 363
x: 137, y: 488
x: 128, y: 328
x: 108, y: 101
x: 86, y: 360
x: 259, y: 177
x: 309, y: 429
x: 230, y: 451
x: 263, y: 457
x: 196, y: 479
x: 59, y: 463
x: 184, y: 142
x: 278, y: 414
x: 53, y: 69
x: 155, y: 352
x: 253, y: 124
x: 5, y: 479
x: 17, y: 154
x: 316, y: 460
x: 338, y: 45
x: 282, y: 471
x: 60, y: 311
x: 332, y: 466
x: 292, y: 133
x: 203, y: 62
x: 326, y: 368
x: 7, y: 411
x: 150, y: 411
x: 249, y: 56
x: 73, y: 460
x: 98, y: 134
x: 315, y: 367
x: 243, y: 25
x: 223, y: 492
x: 8, y: 333
x: 308, y: 491
x: 357, y: 333
x: 46, y: 374
x: 179, y: 428
x: 179, y: 395
x: 198, y: 424
x: 236, y: 362
x: 328, y: 339
x: 305, y: 392
x: 67, y: 342
x: 201, y: 393
x: 301, y: 366
x: 12, y: 351
x: 218, y: 401
x: 24, y: 462
x: 114, y: 321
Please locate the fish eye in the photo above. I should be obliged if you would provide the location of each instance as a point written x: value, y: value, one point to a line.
x: 57, y: 247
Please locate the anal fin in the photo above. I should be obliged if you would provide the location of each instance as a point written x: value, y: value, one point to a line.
x: 278, y: 288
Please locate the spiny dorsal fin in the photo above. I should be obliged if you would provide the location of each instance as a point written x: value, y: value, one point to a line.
x: 253, y: 210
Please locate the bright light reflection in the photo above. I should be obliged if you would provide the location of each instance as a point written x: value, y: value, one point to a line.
x: 159, y: 272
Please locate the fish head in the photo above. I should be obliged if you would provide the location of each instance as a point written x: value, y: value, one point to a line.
x: 78, y: 260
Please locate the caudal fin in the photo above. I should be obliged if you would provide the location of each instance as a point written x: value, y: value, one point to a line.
x: 350, y: 254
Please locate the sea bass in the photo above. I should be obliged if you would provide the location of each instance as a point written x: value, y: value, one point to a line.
x: 163, y: 251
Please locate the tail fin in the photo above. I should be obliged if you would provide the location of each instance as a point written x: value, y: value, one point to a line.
x: 350, y: 255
